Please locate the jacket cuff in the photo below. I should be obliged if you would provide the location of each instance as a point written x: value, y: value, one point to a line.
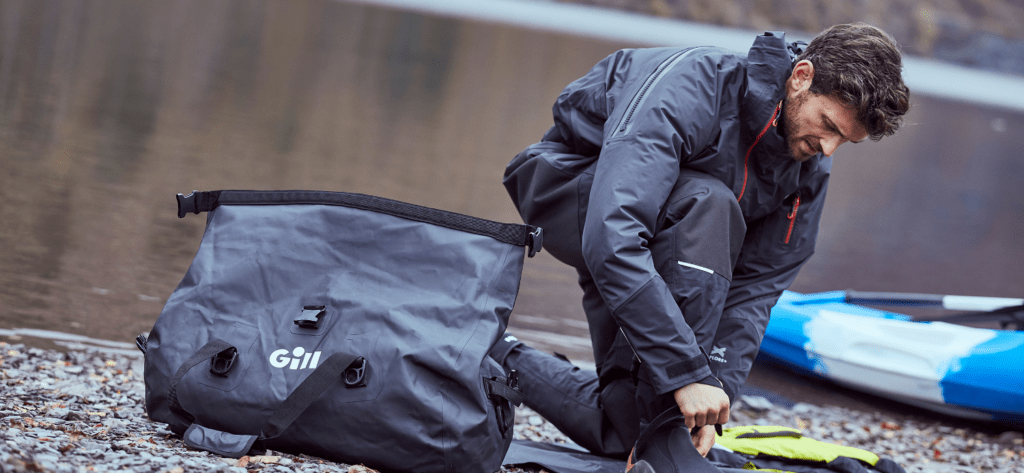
x: 660, y: 337
x: 711, y: 380
x: 662, y: 384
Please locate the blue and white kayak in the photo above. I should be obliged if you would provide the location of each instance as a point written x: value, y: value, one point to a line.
x: 968, y: 372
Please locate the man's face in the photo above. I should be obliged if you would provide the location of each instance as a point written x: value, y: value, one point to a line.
x: 814, y: 123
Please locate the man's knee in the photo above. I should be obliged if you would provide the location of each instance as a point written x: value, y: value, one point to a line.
x: 696, y: 195
x: 701, y: 224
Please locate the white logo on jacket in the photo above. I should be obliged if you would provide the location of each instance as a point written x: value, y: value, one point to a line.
x: 718, y: 354
x: 302, y: 359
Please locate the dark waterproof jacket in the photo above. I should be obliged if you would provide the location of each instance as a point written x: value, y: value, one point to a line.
x: 634, y: 121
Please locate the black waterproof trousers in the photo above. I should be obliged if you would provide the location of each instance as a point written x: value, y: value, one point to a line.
x: 700, y: 232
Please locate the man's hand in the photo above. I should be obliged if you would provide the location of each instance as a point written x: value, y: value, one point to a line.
x: 704, y: 439
x: 702, y: 404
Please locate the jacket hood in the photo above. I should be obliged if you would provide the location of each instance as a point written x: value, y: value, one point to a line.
x: 769, y: 64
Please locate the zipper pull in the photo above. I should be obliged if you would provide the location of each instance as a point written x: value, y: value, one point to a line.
x: 792, y: 217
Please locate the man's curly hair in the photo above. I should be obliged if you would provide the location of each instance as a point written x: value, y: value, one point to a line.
x: 860, y: 65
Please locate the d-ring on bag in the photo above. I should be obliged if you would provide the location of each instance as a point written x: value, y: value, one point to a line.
x: 346, y: 326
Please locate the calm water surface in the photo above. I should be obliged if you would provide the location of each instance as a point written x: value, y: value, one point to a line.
x: 110, y: 108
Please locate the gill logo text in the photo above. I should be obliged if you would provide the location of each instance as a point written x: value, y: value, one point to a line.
x: 302, y: 359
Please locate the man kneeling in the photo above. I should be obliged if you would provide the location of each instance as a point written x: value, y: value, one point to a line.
x: 685, y: 186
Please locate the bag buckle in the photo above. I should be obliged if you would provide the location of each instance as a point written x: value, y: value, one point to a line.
x: 187, y: 204
x: 535, y: 240
x: 222, y: 362
x: 311, y: 316
x: 355, y: 374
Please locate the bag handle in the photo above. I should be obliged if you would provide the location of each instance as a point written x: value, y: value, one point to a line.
x: 234, y: 445
x: 498, y: 388
x: 311, y: 388
x: 208, y: 351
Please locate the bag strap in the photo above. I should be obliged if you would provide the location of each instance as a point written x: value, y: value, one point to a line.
x: 311, y: 388
x: 498, y: 387
x: 510, y: 233
x: 211, y: 349
x: 234, y: 445
x: 507, y: 388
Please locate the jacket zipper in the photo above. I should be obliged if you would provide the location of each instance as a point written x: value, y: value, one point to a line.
x: 642, y: 93
x: 774, y: 121
x: 792, y: 218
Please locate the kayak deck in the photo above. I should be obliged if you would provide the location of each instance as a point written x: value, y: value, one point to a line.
x: 964, y: 371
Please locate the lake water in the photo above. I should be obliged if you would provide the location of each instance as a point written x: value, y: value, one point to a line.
x: 110, y: 108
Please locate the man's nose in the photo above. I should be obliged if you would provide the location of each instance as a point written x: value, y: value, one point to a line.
x: 829, y: 145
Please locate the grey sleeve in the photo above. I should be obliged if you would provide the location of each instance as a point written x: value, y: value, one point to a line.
x: 774, y: 250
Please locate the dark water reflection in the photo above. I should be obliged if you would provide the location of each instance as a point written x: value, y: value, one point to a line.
x: 109, y: 108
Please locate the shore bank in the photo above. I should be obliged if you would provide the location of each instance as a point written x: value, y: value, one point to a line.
x: 985, y: 34
x: 83, y: 410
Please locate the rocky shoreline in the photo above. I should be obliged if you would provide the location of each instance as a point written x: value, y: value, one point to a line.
x: 985, y: 34
x: 83, y: 410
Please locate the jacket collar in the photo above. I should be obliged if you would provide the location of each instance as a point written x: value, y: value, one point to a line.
x: 769, y: 64
x: 774, y: 174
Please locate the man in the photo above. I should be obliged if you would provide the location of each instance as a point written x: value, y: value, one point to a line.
x: 686, y: 186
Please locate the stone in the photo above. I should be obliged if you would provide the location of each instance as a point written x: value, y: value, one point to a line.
x: 757, y: 403
x: 76, y: 416
x: 1009, y: 436
x: 803, y: 408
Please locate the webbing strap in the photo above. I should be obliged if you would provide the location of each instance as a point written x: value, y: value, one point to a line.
x: 208, y: 351
x: 498, y: 388
x: 329, y: 372
x: 311, y: 388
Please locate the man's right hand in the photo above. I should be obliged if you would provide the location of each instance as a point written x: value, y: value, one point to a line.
x: 702, y: 404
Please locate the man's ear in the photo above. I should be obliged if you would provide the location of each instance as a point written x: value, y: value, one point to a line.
x: 801, y: 78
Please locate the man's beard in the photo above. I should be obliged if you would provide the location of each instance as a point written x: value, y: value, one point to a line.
x: 789, y: 127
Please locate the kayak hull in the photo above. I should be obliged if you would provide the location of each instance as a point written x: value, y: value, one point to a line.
x: 963, y: 371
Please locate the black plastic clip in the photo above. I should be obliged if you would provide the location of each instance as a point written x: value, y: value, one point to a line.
x: 513, y: 379
x: 355, y: 374
x: 536, y: 241
x: 222, y: 362
x: 311, y: 316
x: 186, y: 204
x: 141, y: 341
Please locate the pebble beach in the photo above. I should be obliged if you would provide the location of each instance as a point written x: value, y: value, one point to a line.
x: 83, y: 409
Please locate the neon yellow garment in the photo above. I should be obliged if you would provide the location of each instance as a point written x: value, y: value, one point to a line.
x: 787, y: 442
x: 753, y: 467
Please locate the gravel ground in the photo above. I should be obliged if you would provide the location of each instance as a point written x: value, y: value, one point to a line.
x: 82, y: 410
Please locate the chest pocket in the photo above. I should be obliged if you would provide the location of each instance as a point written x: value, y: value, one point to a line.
x: 788, y: 232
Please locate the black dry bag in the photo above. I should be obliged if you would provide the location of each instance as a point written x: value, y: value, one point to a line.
x: 346, y: 326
